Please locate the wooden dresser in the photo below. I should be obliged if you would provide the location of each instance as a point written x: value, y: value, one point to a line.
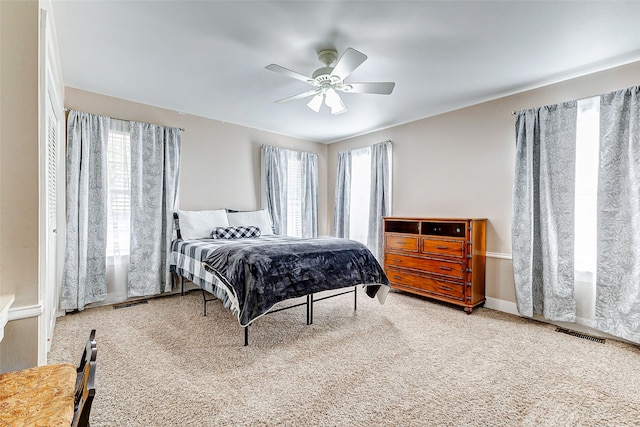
x: 438, y: 258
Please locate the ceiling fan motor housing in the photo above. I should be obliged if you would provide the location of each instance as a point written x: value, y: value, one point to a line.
x: 327, y: 56
x: 322, y: 74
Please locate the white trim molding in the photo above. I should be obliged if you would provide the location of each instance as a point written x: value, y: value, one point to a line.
x: 25, y: 312
x: 5, y: 306
x: 498, y: 255
x: 502, y: 305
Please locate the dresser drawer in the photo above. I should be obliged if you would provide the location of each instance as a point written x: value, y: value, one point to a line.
x: 404, y: 261
x: 452, y: 248
x: 402, y: 243
x: 429, y: 284
x: 453, y: 269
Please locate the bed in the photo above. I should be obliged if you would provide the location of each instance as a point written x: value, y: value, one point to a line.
x: 253, y: 275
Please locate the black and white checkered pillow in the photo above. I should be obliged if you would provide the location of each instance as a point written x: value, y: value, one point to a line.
x: 176, y: 225
x: 238, y: 232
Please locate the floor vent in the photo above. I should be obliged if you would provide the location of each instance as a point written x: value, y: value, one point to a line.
x: 129, y: 304
x: 581, y: 335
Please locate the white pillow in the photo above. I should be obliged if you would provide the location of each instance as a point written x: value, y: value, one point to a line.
x: 200, y: 224
x: 259, y: 218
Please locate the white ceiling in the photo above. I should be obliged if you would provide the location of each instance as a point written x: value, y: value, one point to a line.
x: 207, y: 58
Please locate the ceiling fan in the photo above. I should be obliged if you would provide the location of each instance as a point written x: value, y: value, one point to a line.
x: 328, y: 80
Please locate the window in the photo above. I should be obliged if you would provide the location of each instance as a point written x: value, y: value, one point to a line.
x: 585, y: 217
x: 360, y: 194
x: 118, y: 192
x: 363, y: 195
x: 588, y: 273
x: 294, y: 197
x: 587, y: 144
x: 290, y: 190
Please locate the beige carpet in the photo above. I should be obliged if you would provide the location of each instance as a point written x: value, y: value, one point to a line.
x: 410, y: 362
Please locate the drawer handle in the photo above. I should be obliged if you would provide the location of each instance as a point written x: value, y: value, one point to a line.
x: 442, y: 247
x: 396, y: 277
x: 446, y: 288
x: 445, y: 268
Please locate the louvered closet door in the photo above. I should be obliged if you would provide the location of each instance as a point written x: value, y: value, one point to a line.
x: 51, y: 190
x: 50, y: 183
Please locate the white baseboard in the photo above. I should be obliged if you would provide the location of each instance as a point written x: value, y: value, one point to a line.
x: 502, y: 305
x: 36, y: 310
x: 581, y: 325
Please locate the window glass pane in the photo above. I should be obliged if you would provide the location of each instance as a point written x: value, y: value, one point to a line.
x: 118, y: 193
x: 587, y: 145
x: 360, y: 194
x: 294, y: 196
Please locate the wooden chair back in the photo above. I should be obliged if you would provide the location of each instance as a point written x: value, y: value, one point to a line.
x: 85, y: 383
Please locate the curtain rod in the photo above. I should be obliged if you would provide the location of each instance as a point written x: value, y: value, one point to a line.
x: 287, y: 149
x: 66, y: 110
x: 513, y: 113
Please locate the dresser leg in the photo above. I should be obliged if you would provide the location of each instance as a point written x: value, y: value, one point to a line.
x: 468, y: 310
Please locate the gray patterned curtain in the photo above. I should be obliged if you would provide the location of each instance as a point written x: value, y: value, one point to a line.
x: 543, y: 211
x: 309, y: 196
x: 342, y: 200
x: 84, y: 278
x: 275, y: 188
x: 380, y: 198
x: 155, y: 159
x: 618, y: 248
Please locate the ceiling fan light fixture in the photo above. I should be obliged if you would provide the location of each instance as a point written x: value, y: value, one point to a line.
x: 315, y: 103
x: 333, y: 101
x: 330, y: 78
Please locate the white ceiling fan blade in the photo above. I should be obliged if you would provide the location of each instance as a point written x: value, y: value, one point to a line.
x: 299, y: 96
x: 288, y: 72
x: 349, y: 61
x: 380, y: 88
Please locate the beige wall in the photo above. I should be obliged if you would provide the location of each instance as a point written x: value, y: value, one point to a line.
x: 19, y: 175
x: 220, y: 162
x: 460, y: 164
x: 455, y: 164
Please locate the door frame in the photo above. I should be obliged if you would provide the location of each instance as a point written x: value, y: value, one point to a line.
x: 51, y: 91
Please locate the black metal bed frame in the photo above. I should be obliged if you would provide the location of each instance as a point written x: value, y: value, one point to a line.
x: 309, y: 303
